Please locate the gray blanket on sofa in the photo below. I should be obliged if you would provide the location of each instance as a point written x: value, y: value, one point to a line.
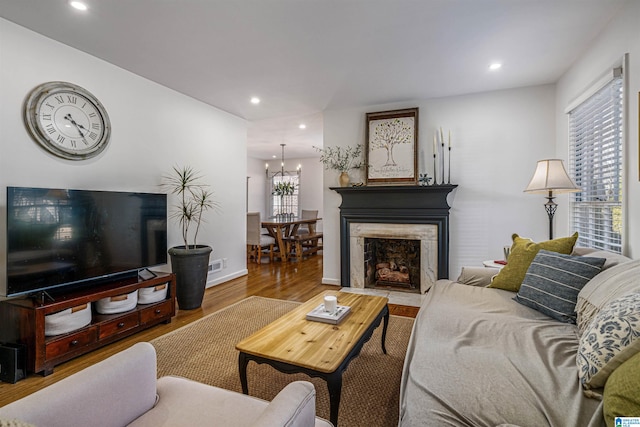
x: 478, y: 358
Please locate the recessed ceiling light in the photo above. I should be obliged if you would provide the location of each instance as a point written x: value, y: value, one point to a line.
x: 302, y: 126
x: 495, y: 66
x: 274, y: 156
x: 78, y: 5
x: 255, y: 100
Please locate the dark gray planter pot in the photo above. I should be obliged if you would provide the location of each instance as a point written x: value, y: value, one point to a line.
x: 191, y: 267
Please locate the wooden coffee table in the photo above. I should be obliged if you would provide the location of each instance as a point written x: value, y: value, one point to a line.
x: 292, y: 344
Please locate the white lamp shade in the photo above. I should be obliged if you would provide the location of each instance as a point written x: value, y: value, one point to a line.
x: 550, y: 175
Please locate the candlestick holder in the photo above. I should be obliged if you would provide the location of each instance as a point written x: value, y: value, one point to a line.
x: 435, y: 172
x: 449, y: 169
x: 442, y: 162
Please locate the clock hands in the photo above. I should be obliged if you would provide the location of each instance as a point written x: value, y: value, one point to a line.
x: 77, y: 125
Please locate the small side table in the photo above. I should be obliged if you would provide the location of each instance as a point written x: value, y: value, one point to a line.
x: 492, y: 264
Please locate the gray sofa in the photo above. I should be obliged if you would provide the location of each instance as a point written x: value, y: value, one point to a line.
x: 479, y: 358
x: 123, y: 391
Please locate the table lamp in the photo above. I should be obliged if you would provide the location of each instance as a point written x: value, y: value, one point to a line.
x: 551, y: 178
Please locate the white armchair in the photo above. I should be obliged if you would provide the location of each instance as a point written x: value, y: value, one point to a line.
x: 123, y: 391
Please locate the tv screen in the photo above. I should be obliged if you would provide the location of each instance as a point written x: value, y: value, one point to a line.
x: 61, y: 237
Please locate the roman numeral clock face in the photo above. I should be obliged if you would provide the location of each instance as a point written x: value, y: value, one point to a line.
x: 67, y: 120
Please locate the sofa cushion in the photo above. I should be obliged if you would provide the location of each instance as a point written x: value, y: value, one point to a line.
x: 605, y: 287
x: 477, y: 276
x: 612, y: 338
x: 612, y: 258
x: 622, y: 391
x: 184, y: 402
x: 553, y: 281
x: 522, y: 253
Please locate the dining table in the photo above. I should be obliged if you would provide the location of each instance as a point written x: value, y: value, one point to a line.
x: 283, y: 228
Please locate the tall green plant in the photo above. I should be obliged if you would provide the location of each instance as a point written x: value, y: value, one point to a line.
x: 194, y: 198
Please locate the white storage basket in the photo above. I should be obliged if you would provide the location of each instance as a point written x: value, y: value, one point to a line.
x: 152, y: 294
x: 118, y: 303
x: 67, y: 320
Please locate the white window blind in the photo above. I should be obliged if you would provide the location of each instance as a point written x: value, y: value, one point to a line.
x: 595, y: 162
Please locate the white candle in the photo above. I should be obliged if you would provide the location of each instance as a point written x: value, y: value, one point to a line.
x: 435, y: 143
x: 441, y: 137
x: 449, y: 138
x: 330, y: 304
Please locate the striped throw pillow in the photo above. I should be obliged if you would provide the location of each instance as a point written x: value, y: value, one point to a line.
x: 552, y: 283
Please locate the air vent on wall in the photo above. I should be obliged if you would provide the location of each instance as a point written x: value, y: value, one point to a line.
x: 215, y: 266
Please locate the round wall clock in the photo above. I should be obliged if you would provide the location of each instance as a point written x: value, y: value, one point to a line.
x: 67, y: 120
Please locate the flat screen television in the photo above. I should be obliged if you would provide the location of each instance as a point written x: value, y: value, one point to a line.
x: 62, y: 238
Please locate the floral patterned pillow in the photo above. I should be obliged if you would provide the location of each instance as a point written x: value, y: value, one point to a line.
x: 612, y: 337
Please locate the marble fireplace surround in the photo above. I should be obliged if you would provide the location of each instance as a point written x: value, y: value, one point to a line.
x: 399, y: 209
x: 427, y: 234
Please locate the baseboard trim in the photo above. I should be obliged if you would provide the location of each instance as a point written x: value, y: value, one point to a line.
x: 219, y: 280
x: 328, y: 281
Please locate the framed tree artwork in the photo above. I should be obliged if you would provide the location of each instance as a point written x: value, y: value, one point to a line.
x: 391, y: 147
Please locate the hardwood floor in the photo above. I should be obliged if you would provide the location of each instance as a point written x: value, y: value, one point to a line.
x: 294, y: 281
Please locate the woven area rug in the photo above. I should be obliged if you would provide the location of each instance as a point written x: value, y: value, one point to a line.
x: 205, y: 351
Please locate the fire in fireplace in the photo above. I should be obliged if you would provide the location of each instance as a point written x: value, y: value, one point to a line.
x: 392, y: 263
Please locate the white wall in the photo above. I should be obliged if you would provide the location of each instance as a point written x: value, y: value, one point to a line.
x: 497, y: 138
x: 622, y: 36
x: 153, y: 128
x: 311, y: 186
x: 256, y: 187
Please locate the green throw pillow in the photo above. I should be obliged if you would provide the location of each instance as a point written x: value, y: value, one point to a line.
x: 523, y: 251
x: 622, y: 391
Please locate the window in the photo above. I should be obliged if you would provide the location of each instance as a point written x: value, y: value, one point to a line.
x: 595, y: 162
x: 286, y: 204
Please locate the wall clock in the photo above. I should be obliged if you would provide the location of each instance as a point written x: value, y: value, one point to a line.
x: 67, y: 120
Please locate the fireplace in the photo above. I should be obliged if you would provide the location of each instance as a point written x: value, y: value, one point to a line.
x: 392, y: 263
x: 425, y: 241
x: 405, y: 220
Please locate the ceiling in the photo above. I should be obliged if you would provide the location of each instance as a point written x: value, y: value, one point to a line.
x: 301, y: 57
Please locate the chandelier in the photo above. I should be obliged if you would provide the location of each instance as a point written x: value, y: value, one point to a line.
x: 282, y: 172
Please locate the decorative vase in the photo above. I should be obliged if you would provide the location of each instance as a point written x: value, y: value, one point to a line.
x: 191, y: 267
x: 344, y: 179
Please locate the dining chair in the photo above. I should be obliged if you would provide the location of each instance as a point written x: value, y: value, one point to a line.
x: 257, y: 242
x: 307, y: 228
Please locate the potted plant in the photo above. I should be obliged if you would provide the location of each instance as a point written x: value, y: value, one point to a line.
x: 342, y: 160
x: 283, y: 188
x: 190, y: 262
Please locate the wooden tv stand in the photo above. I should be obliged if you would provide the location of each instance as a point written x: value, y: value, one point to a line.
x: 22, y: 321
